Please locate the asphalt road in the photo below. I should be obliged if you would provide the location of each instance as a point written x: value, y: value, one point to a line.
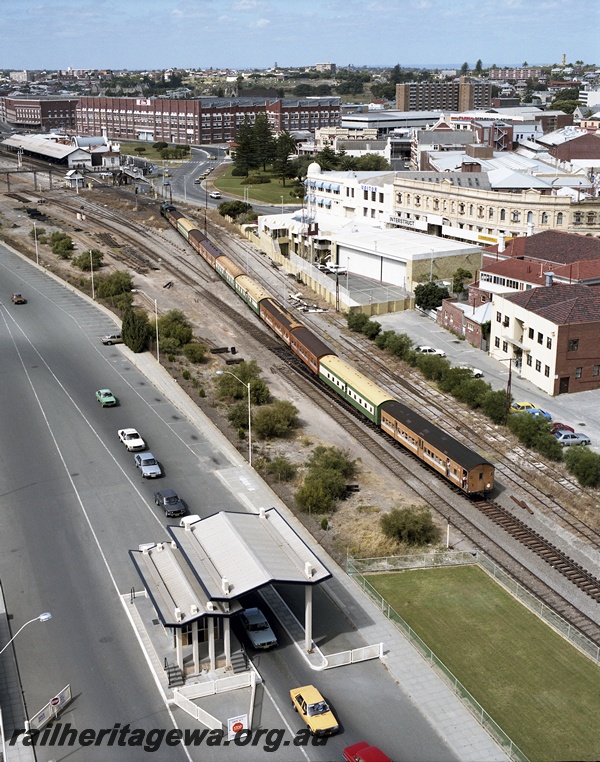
x: 72, y: 504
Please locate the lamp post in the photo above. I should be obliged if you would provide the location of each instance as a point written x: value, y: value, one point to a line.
x: 281, y: 204
x: 508, y: 384
x: 37, y: 252
x: 247, y: 385
x: 139, y: 291
x: 347, y: 273
x: 92, y: 271
x: 41, y: 618
x: 431, y: 267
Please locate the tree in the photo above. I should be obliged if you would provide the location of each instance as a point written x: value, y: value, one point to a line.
x: 83, y: 260
x: 584, y: 465
x: 135, y: 330
x: 264, y: 141
x: 115, y: 284
x: 429, y: 296
x: 327, y: 159
x: 275, y: 420
x: 464, y: 69
x: 174, y: 325
x: 61, y: 244
x: 479, y: 66
x: 194, y: 352
x: 247, y: 372
x: 160, y: 145
x: 140, y: 150
x: 246, y: 157
x: 282, y: 165
x: 458, y: 280
x: 371, y: 162
x: 412, y: 526
x: 234, y: 209
x: 494, y: 405
x: 356, y: 321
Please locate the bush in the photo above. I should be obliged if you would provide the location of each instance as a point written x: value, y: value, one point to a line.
x: 83, y: 260
x: 584, y: 465
x: 256, y: 180
x: 282, y: 469
x: 330, y: 458
x: 194, y: 352
x: 412, y: 526
x: 357, y: 321
x: 399, y: 344
x: 135, y: 330
x: 238, y: 415
x: 115, y: 284
x: 372, y: 329
x: 494, y: 406
x: 246, y: 372
x: 62, y: 245
x: 170, y: 347
x: 186, y: 374
x: 473, y: 392
x: 321, y: 491
x: 276, y: 420
x: 433, y: 367
x: 174, y: 325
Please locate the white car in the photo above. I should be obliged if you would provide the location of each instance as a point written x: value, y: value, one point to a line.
x: 475, y: 372
x: 132, y: 440
x: 430, y: 351
x: 258, y: 629
x: 215, y: 194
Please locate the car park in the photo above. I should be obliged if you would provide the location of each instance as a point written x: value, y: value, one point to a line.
x: 106, y: 398
x: 112, y: 338
x: 529, y: 407
x: 560, y: 427
x: 314, y: 710
x: 258, y: 629
x: 132, y: 440
x: 568, y: 438
x: 18, y: 299
x: 170, y: 502
x: 215, y: 194
x: 424, y: 350
x: 148, y: 465
x: 364, y: 752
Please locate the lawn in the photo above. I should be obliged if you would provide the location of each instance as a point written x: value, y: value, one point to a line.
x: 539, y: 689
x: 265, y: 193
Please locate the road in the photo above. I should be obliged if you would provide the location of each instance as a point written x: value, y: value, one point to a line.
x: 72, y: 504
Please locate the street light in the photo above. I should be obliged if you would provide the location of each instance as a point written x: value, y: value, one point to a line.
x: 281, y: 204
x: 247, y: 385
x: 41, y: 618
x: 37, y: 253
x: 508, y: 384
x: 139, y: 291
x: 431, y: 268
x: 92, y: 271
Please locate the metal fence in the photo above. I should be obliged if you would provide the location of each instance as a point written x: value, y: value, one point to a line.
x: 394, y: 563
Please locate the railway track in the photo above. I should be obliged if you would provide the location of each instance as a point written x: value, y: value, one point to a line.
x: 400, y: 465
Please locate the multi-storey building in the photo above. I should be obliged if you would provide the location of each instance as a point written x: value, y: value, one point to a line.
x: 525, y: 73
x: 448, y: 96
x: 38, y: 114
x: 198, y: 121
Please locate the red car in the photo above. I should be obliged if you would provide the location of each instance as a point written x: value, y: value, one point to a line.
x: 363, y: 752
x: 560, y: 427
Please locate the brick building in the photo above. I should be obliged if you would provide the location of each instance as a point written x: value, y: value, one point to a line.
x: 38, y: 114
x: 201, y: 120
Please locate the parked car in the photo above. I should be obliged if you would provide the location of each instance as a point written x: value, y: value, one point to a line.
x: 148, y: 465
x: 430, y: 351
x: 568, y: 438
x: 170, y: 502
x: 215, y: 194
x: 106, y: 398
x: 314, y: 710
x: 475, y: 372
x: 529, y: 407
x: 112, y: 338
x: 560, y: 427
x: 364, y: 752
x: 197, y: 181
x: 132, y: 440
x: 18, y: 299
x: 258, y: 629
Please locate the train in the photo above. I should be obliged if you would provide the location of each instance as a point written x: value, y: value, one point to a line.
x: 455, y: 462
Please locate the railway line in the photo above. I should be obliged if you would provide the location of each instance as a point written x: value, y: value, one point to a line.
x: 196, y: 278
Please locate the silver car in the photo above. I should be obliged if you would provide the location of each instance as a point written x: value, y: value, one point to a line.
x: 568, y: 438
x: 258, y: 629
x: 148, y: 465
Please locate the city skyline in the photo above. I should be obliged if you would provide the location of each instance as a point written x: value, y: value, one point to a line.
x: 243, y: 34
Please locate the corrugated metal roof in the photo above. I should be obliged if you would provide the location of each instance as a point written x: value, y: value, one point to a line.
x: 40, y: 145
x: 234, y: 553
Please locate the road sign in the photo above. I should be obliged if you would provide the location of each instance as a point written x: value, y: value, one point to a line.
x: 236, y: 725
x: 55, y: 701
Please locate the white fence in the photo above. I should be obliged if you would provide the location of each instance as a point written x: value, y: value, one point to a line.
x: 184, y: 697
x: 196, y: 711
x: 342, y: 658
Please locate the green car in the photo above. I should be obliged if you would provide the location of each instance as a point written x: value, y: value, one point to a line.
x: 106, y: 398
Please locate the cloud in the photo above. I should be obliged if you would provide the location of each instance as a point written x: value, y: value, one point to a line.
x: 260, y: 23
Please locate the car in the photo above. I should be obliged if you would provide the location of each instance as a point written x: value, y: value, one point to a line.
x: 132, y: 440
x: 314, y: 710
x: 258, y: 629
x: 197, y: 181
x: 568, y: 438
x: 475, y: 372
x: 148, y: 465
x: 364, y: 752
x: 112, y: 338
x: 166, y: 182
x: 106, y: 398
x: 18, y: 299
x: 215, y: 194
x: 529, y: 407
x: 170, y: 502
x: 430, y: 351
x: 560, y: 427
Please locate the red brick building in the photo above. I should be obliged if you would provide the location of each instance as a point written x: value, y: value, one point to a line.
x: 38, y: 114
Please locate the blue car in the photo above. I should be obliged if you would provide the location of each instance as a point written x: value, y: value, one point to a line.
x: 528, y: 407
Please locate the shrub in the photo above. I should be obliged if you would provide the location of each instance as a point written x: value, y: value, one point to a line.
x: 201, y: 392
x: 83, y: 260
x: 174, y: 325
x: 494, y: 405
x: 115, y: 284
x: 276, y: 420
x: 584, y: 465
x: 194, y: 352
x: 412, y: 526
x: 170, y: 347
x: 135, y: 330
x: 330, y: 458
x: 62, y: 245
x: 372, y: 329
x: 186, y: 374
x: 324, y: 523
x: 433, y: 367
x: 282, y: 469
x: 357, y: 321
x: 473, y: 392
x: 238, y: 415
x: 399, y: 344
x: 256, y: 180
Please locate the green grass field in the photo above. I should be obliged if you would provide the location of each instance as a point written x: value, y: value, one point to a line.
x: 265, y: 193
x: 539, y: 689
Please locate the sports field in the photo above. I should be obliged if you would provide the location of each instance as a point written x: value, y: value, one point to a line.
x: 539, y: 689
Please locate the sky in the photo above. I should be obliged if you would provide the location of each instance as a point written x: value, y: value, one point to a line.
x: 242, y: 34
